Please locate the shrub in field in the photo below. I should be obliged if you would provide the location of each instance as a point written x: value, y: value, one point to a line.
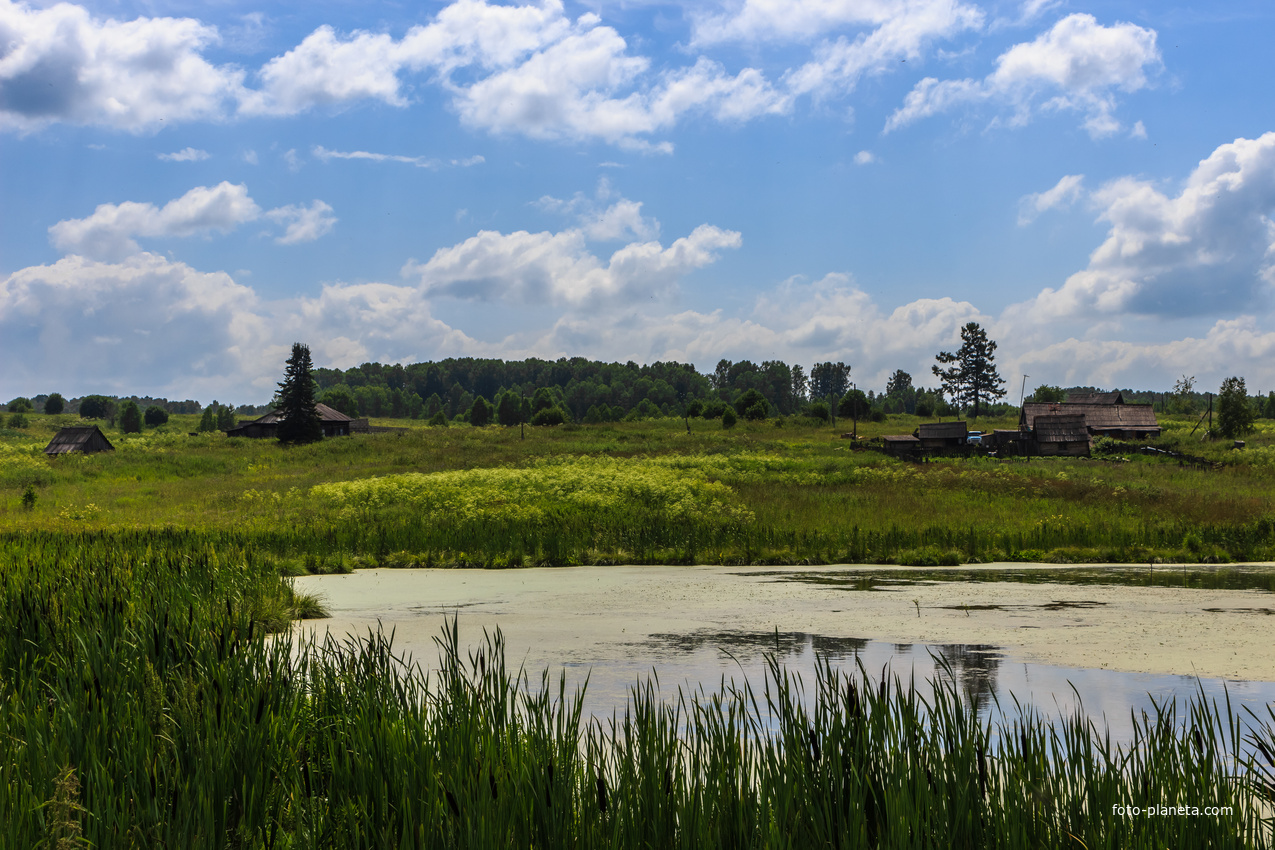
x: 18, y: 420
x: 480, y: 413
x: 155, y: 416
x: 747, y: 401
x: 438, y: 420
x: 728, y: 418
x: 548, y: 416
x: 714, y: 408
x: 818, y: 410
x: 130, y: 417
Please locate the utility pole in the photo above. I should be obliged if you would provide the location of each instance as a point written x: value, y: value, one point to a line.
x: 854, y: 409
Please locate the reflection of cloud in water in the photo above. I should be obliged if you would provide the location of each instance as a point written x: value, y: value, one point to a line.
x: 974, y: 666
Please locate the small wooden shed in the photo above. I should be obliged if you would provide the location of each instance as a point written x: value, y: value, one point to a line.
x: 901, y: 445
x: 1062, y: 434
x: 78, y: 439
x: 942, y: 435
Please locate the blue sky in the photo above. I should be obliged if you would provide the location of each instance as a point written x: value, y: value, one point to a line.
x: 188, y: 188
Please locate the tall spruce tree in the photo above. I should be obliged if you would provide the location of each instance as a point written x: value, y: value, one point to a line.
x: 299, y: 420
x: 972, y: 377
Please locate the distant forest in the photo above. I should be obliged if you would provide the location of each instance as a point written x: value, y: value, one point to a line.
x: 583, y: 390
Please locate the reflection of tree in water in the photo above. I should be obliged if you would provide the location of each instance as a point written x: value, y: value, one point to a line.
x: 748, y: 644
x: 975, y: 667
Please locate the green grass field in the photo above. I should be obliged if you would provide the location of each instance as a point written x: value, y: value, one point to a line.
x: 646, y: 492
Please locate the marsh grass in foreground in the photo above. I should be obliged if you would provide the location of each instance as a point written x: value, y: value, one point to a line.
x: 141, y: 705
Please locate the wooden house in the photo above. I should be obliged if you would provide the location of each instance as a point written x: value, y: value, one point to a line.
x: 942, y: 435
x: 1062, y: 434
x: 78, y: 439
x: 1116, y: 420
x: 334, y: 422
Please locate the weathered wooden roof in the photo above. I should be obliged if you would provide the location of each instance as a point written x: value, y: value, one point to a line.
x: 1096, y: 398
x: 326, y: 414
x: 78, y: 438
x: 900, y: 438
x: 1099, y: 417
x: 1061, y: 428
x: 942, y: 431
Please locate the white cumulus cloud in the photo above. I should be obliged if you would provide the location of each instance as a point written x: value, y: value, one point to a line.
x: 1063, y: 194
x: 109, y: 233
x: 303, y: 223
x: 63, y: 64
x: 1209, y: 248
x: 558, y: 268
x: 1077, y: 65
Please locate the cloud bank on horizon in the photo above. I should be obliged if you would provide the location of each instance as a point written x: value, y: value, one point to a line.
x: 801, y: 180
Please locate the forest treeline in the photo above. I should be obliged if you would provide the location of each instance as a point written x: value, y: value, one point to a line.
x: 582, y: 390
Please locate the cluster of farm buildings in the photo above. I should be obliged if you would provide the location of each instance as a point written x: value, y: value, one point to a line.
x: 1056, y: 428
x: 1046, y: 428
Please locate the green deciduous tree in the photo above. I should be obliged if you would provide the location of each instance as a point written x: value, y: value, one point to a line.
x: 97, y: 407
x: 728, y: 418
x: 854, y: 404
x: 130, y: 417
x: 225, y: 418
x: 1046, y: 394
x: 971, y: 377
x: 155, y: 416
x: 300, y: 421
x: 829, y: 379
x: 1234, y: 412
x: 342, y: 399
x: 21, y: 404
x: 54, y: 404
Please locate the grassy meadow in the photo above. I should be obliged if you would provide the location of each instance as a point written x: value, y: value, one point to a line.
x: 646, y: 492
x: 150, y: 695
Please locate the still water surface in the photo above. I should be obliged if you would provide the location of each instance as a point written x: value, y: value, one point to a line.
x: 697, y: 629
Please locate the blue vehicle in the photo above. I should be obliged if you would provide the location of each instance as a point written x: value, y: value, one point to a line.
x: 974, y: 438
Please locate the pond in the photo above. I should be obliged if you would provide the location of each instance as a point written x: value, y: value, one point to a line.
x: 1059, y: 639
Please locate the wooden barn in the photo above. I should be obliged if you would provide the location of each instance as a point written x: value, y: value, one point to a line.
x: 1062, y: 434
x: 942, y: 435
x: 78, y: 439
x: 334, y: 422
